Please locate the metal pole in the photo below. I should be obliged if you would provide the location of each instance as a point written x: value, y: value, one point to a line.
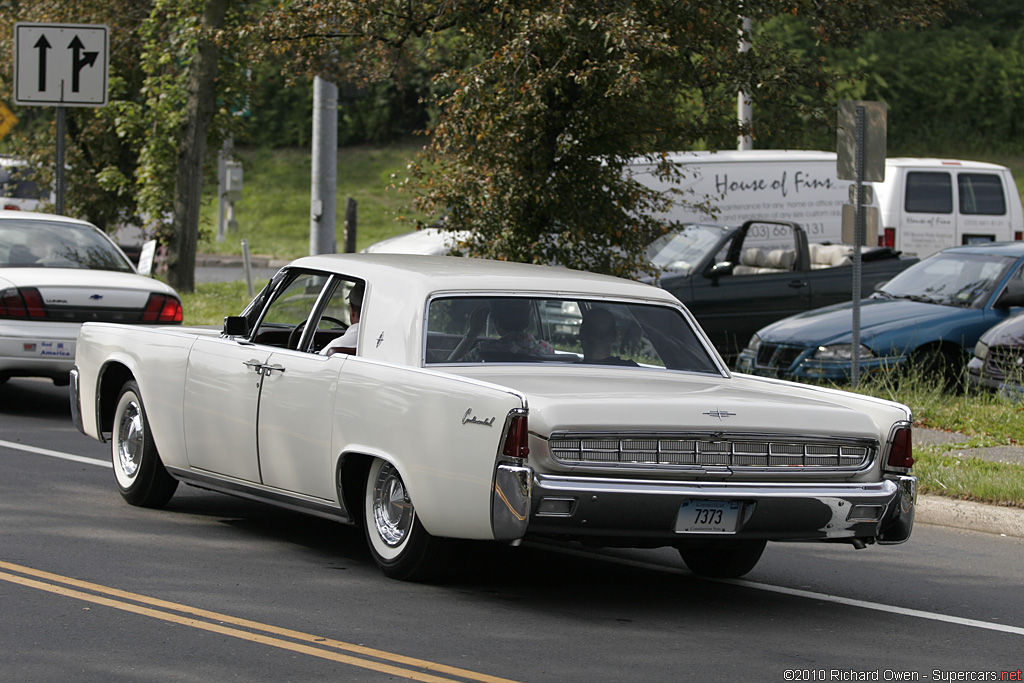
x: 222, y: 158
x: 247, y: 266
x: 58, y: 180
x: 858, y: 239
x: 324, y: 185
x: 744, y: 109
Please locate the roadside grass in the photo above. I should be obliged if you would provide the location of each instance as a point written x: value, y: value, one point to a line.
x: 273, y: 216
x: 986, y: 418
x: 274, y: 212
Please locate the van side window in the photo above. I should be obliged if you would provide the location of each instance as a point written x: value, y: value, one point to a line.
x: 981, y: 193
x: 929, y: 192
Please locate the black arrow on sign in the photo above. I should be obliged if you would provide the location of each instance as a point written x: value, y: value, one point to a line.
x: 79, y: 60
x: 42, y: 45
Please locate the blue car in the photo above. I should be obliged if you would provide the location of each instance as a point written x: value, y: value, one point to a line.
x: 930, y: 315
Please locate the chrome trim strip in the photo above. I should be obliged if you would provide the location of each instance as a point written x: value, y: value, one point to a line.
x: 250, y: 491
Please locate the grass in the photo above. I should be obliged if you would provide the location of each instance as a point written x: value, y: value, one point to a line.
x: 986, y: 418
x: 273, y: 216
x: 274, y: 212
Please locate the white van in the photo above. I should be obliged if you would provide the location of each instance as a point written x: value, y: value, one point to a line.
x: 741, y: 185
x: 929, y: 204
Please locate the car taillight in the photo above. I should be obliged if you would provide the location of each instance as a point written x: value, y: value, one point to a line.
x: 12, y: 207
x: 517, y: 438
x: 901, y: 453
x: 888, y: 238
x: 162, y: 308
x: 1018, y: 235
x: 23, y: 303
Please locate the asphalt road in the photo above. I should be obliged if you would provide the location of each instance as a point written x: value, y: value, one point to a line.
x: 218, y: 588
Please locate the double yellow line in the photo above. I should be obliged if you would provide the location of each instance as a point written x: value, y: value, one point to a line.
x: 286, y: 639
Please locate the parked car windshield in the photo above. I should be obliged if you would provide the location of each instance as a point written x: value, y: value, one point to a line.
x: 39, y: 244
x: 681, y: 250
x: 474, y: 329
x: 949, y: 278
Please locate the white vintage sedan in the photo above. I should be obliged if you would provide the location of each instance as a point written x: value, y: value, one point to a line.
x: 56, y: 273
x: 491, y: 401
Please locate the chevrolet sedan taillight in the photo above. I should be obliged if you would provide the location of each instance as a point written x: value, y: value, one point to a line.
x: 24, y: 303
x: 162, y: 308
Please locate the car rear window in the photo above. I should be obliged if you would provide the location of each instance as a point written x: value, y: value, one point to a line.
x: 981, y: 194
x: 570, y: 330
x: 41, y: 244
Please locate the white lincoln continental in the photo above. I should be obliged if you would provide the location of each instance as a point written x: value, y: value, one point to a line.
x: 431, y: 398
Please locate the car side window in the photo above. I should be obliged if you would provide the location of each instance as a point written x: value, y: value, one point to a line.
x: 285, y: 317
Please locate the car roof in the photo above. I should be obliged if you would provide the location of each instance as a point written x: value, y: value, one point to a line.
x: 432, y: 274
x: 1014, y: 249
x: 948, y: 164
x: 43, y: 217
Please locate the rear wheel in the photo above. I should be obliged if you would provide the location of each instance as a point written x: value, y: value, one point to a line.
x: 400, y: 545
x: 141, y: 477
x: 725, y: 560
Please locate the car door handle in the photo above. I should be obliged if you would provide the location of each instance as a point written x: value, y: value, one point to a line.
x: 262, y: 368
x: 797, y: 284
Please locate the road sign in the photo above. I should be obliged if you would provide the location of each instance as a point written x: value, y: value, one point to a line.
x: 61, y: 65
x: 7, y: 120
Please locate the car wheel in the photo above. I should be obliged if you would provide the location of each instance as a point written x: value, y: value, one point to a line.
x: 400, y: 545
x: 141, y: 477
x: 938, y: 363
x: 726, y: 560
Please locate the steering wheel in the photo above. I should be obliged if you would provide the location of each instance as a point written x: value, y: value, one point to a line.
x: 340, y: 323
x: 296, y: 333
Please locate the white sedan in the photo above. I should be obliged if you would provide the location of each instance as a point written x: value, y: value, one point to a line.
x: 492, y: 401
x: 57, y: 273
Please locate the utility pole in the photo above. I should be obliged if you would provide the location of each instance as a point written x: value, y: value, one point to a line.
x: 324, y: 185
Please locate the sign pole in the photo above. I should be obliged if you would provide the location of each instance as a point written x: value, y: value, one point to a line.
x: 58, y: 181
x: 858, y: 229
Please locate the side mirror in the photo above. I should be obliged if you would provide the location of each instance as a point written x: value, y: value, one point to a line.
x: 719, y: 269
x: 1012, y: 296
x: 236, y: 326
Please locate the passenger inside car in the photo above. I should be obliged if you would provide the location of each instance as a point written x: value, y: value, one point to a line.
x: 511, y: 318
x: 598, y: 334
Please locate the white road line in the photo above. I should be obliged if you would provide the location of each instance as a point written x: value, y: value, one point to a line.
x: 796, y: 592
x: 56, y: 454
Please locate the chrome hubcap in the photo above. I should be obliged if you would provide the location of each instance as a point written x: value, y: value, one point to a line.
x: 130, y: 439
x: 393, y: 513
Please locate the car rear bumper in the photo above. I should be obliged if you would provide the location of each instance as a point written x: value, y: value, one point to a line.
x: 34, y: 349
x: 648, y: 512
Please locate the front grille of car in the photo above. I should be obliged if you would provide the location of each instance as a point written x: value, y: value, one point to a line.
x: 706, y: 450
x: 1005, y: 362
x: 777, y: 355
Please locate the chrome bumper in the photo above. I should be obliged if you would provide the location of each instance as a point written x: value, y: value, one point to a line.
x: 647, y: 510
x: 510, y: 501
x: 76, y: 400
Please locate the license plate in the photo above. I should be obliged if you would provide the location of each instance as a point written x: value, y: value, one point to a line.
x: 709, y: 516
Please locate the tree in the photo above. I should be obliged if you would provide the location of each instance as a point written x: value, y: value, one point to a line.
x: 140, y: 160
x: 542, y: 103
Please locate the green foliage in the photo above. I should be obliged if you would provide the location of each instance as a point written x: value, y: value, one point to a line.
x: 540, y: 104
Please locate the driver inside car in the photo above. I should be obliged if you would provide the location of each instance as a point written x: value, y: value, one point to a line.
x: 346, y: 343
